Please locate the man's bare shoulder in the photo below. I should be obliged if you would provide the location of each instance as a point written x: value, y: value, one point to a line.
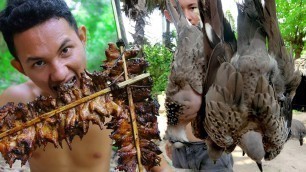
x: 24, y: 93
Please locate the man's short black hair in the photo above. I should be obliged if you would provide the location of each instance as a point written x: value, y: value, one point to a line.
x: 20, y: 15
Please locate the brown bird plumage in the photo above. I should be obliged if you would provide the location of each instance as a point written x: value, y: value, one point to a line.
x: 219, y: 46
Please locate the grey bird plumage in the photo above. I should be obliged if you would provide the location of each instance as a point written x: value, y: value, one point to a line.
x: 249, y: 102
x: 298, y: 131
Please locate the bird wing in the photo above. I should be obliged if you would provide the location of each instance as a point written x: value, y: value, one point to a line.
x: 225, y: 113
x: 276, y: 46
x: 219, y: 46
x: 291, y: 78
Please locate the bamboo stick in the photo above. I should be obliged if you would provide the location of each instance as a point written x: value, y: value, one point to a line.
x: 71, y: 105
x: 132, y: 113
x: 129, y: 92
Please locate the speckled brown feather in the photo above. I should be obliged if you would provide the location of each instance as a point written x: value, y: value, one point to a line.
x: 219, y: 46
x: 225, y: 112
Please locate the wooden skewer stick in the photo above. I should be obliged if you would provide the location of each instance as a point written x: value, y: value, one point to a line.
x: 132, y: 112
x: 129, y: 92
x: 71, y: 105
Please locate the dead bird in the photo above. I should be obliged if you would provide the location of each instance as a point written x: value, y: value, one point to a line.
x: 249, y: 103
x: 184, y: 89
x: 298, y: 130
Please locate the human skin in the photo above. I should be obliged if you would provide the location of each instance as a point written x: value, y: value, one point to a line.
x: 190, y: 10
x: 52, y: 53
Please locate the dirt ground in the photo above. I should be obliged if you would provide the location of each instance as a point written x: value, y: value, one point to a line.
x: 291, y: 159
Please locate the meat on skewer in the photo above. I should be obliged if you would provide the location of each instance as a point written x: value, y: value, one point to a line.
x: 67, y: 124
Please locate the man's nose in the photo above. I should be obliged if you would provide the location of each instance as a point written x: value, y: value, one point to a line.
x: 59, y: 72
x: 188, y: 15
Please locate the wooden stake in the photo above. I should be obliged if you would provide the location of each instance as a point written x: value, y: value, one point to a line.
x: 132, y: 113
x: 71, y: 105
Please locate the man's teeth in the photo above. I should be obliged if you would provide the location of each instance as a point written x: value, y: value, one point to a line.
x: 70, y: 83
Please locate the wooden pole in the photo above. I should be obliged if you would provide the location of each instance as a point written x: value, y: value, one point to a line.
x: 132, y: 113
x: 129, y: 91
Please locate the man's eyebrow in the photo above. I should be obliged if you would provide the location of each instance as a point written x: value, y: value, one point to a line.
x: 30, y: 59
x: 193, y: 4
x: 63, y: 44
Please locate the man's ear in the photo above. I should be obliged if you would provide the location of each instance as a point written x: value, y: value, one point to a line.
x: 82, y: 34
x: 17, y: 65
x: 167, y: 15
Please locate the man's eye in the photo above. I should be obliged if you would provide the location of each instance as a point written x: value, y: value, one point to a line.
x: 193, y: 8
x: 66, y: 50
x: 39, y: 63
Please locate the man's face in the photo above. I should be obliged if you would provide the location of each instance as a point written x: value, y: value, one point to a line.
x: 51, y: 53
x: 191, y: 11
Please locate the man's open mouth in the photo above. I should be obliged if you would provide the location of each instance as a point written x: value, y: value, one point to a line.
x: 67, y: 85
x: 71, y: 82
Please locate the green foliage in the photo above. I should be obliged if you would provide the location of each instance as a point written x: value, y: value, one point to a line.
x: 231, y: 20
x: 292, y: 21
x: 98, y: 18
x: 8, y: 75
x: 159, y: 58
x: 150, y: 5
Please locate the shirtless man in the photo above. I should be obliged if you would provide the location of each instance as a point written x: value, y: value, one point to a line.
x: 49, y: 49
x: 193, y: 155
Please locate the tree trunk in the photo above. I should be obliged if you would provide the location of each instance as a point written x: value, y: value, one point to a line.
x: 298, y: 50
x: 298, y: 43
x: 167, y: 36
x: 138, y: 15
x: 138, y: 36
x: 119, y: 14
